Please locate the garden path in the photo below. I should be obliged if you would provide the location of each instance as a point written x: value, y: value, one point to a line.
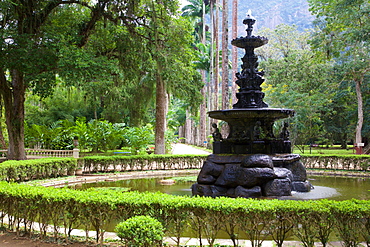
x: 180, y: 148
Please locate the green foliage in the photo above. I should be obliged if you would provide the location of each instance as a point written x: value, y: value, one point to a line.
x: 342, y: 35
x: 295, y: 79
x: 96, y: 135
x: 141, y: 231
x: 138, y: 138
x: 66, y: 103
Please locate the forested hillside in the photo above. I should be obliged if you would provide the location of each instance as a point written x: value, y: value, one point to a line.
x: 270, y: 13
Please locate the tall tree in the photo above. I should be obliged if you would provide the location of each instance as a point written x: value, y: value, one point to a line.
x: 294, y: 79
x: 216, y: 75
x: 45, y: 38
x: 234, y: 50
x: 31, y: 52
x: 168, y: 40
x: 197, y: 10
x: 225, y: 54
x: 343, y: 32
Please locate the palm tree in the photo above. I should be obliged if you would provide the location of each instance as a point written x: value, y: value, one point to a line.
x: 197, y: 10
x: 234, y: 52
x: 225, y: 55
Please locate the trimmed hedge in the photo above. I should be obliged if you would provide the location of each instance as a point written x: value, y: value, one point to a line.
x: 337, y: 162
x: 23, y: 170
x: 141, y: 162
x: 308, y: 220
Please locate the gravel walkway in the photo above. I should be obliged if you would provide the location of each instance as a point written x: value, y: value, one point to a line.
x: 180, y: 148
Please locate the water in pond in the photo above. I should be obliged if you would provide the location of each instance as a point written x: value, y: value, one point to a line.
x: 335, y: 188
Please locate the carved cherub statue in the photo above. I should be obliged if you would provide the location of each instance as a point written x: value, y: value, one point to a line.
x: 216, y: 134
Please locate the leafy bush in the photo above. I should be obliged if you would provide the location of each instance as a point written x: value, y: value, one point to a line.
x: 139, y: 138
x: 141, y: 231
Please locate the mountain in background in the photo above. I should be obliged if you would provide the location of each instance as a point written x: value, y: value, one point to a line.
x: 270, y: 13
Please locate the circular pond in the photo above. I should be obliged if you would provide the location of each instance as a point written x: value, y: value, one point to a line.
x: 333, y: 187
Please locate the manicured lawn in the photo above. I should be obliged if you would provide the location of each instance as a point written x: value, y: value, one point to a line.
x: 335, y: 149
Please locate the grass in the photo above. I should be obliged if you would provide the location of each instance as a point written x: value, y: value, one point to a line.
x: 185, y: 179
x: 323, y: 149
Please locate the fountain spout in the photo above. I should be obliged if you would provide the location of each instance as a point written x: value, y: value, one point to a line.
x: 249, y: 21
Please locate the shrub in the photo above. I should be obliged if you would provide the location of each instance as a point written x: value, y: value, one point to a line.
x: 141, y: 231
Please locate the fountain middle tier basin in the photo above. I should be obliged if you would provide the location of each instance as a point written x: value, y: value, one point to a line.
x: 251, y: 131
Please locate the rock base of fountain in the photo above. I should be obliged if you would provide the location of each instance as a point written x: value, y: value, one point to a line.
x: 256, y: 175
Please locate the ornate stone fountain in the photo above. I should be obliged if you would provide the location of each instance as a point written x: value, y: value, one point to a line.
x: 251, y: 161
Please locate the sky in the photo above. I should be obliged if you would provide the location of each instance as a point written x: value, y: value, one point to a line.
x: 183, y: 3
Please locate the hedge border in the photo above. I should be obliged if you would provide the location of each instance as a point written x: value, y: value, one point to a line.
x: 308, y: 220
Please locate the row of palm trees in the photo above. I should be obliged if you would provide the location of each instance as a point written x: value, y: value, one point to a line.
x: 213, y: 62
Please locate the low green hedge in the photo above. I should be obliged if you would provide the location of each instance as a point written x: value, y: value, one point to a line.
x: 21, y: 170
x: 258, y: 219
x: 337, y: 162
x: 141, y: 162
x: 13, y: 170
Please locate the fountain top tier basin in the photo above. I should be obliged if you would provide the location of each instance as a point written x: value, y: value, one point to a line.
x: 249, y: 41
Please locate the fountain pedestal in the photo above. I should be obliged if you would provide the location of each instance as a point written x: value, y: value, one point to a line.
x: 251, y: 176
x: 251, y: 161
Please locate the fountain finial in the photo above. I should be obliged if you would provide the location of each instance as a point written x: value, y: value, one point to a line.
x: 249, y: 21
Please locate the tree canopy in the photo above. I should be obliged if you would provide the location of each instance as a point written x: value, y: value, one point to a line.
x: 343, y: 33
x: 89, y: 44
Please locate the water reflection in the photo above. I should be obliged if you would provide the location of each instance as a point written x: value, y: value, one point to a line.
x: 336, y: 188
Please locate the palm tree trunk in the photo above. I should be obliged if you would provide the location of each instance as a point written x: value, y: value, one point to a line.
x: 202, y: 118
x: 225, y: 55
x: 217, y: 62
x: 360, y: 116
x: 234, y: 49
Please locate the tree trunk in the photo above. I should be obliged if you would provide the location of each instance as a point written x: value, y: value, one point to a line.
x: 202, y: 117
x: 188, y: 128
x: 217, y: 61
x: 13, y: 96
x: 360, y: 112
x: 225, y: 55
x: 160, y: 113
x: 2, y: 139
x: 234, y: 52
x: 211, y: 60
x: 225, y: 62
